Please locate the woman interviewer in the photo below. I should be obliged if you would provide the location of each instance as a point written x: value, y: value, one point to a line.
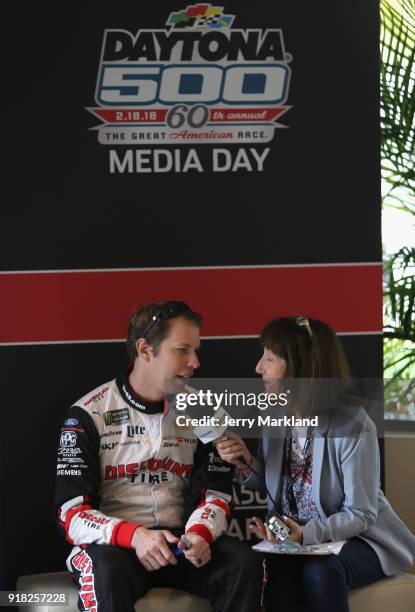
x: 326, y: 486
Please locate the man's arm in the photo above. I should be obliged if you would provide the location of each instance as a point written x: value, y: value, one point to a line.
x: 78, y: 482
x: 210, y: 494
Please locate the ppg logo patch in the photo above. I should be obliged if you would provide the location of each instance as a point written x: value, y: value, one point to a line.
x: 68, y: 439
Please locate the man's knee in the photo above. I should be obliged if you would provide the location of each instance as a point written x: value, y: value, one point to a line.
x: 252, y: 564
x: 239, y: 553
x: 113, y: 562
x: 106, y: 562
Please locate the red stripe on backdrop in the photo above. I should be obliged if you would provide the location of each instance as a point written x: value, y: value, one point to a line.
x: 96, y: 305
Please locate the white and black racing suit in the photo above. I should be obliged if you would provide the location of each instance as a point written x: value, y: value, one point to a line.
x: 123, y: 463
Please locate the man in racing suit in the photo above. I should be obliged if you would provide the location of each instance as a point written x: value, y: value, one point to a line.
x: 130, y: 481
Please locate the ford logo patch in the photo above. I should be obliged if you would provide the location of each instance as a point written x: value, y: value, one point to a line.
x: 71, y: 422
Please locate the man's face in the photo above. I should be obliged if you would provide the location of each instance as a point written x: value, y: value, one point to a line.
x: 177, y: 358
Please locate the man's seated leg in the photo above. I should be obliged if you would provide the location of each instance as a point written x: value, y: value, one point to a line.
x: 232, y: 579
x: 109, y: 578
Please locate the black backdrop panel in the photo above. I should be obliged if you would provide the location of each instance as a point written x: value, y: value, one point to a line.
x: 43, y: 382
x: 65, y: 209
x: 316, y: 200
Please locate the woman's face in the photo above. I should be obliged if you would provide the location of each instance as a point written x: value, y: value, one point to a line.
x: 271, y: 367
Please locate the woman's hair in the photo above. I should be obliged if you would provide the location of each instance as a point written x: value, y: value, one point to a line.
x: 310, y: 347
x: 317, y: 373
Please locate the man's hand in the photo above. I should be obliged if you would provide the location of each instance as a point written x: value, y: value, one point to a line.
x: 151, y: 547
x: 199, y: 554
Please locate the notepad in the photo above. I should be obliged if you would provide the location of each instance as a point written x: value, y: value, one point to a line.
x: 292, y: 548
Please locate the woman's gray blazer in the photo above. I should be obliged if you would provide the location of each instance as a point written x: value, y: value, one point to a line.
x: 346, y: 490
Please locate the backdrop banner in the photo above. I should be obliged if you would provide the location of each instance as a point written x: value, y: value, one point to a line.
x: 226, y: 155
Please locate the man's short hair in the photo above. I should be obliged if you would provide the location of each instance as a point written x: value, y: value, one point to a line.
x: 139, y: 325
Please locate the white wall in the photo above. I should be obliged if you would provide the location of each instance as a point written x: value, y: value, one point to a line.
x: 400, y: 475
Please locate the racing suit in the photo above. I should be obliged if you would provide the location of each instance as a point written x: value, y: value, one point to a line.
x: 124, y: 463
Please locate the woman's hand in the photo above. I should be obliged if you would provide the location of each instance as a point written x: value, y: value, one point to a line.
x: 231, y: 448
x: 263, y: 532
x: 296, y: 534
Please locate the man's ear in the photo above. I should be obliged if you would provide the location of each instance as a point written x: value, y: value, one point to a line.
x: 143, y: 349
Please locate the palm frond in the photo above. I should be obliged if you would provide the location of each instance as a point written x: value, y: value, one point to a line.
x: 397, y: 82
x: 399, y: 292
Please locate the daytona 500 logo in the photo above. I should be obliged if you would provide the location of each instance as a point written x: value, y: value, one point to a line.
x: 197, y: 81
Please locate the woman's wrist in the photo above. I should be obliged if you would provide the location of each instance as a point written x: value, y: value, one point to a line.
x: 245, y: 466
